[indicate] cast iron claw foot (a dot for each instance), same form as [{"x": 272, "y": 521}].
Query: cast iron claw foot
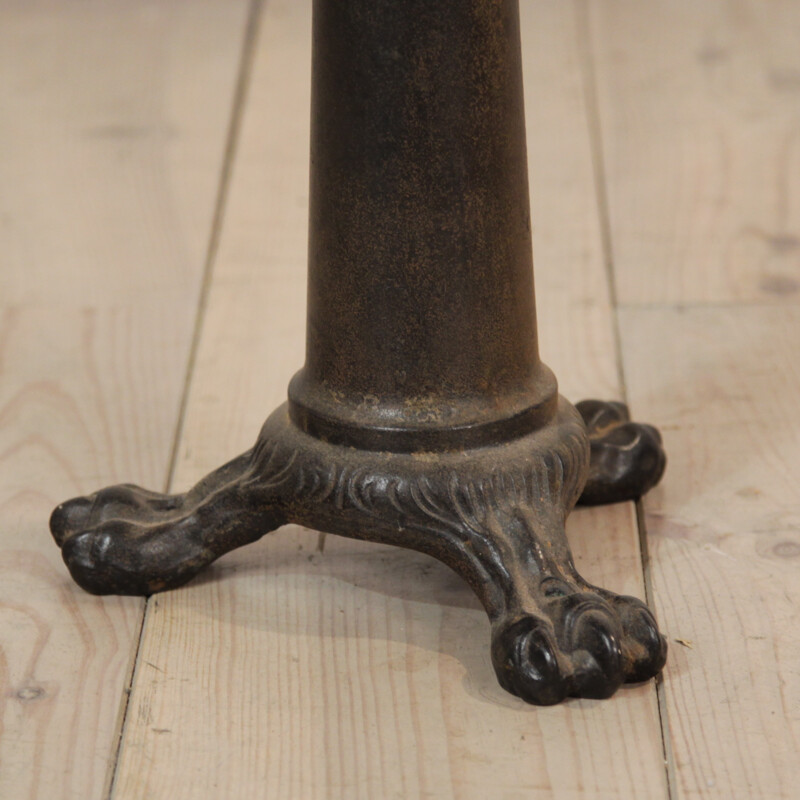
[
  {"x": 627, "y": 458},
  {"x": 128, "y": 540},
  {"x": 585, "y": 642},
  {"x": 495, "y": 515}
]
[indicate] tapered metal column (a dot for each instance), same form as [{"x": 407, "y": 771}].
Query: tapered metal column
[{"x": 421, "y": 319}]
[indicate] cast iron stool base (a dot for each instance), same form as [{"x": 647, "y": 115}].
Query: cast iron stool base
[
  {"x": 495, "y": 515},
  {"x": 423, "y": 416}
]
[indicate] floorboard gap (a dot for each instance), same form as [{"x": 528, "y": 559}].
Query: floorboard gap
[
  {"x": 588, "y": 72},
  {"x": 231, "y": 140}
]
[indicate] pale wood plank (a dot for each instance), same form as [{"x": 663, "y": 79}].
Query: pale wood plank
[
  {"x": 113, "y": 133},
  {"x": 363, "y": 671},
  {"x": 700, "y": 111},
  {"x": 724, "y": 538}
]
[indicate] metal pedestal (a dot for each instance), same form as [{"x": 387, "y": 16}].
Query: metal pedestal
[{"x": 423, "y": 416}]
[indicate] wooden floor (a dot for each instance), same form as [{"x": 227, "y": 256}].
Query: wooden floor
[{"x": 153, "y": 215}]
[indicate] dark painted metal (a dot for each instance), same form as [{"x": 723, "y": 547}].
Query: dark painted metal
[
  {"x": 420, "y": 242},
  {"x": 423, "y": 416},
  {"x": 627, "y": 458}
]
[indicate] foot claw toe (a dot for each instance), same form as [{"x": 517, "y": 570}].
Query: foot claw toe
[
  {"x": 526, "y": 660},
  {"x": 646, "y": 647},
  {"x": 70, "y": 517},
  {"x": 596, "y": 655},
  {"x": 84, "y": 554}
]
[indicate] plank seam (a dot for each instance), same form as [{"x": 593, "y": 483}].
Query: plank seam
[
  {"x": 125, "y": 705},
  {"x": 231, "y": 140},
  {"x": 666, "y": 738},
  {"x": 594, "y": 124},
  {"x": 587, "y": 71}
]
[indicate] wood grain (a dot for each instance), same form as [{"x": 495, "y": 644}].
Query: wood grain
[
  {"x": 114, "y": 126},
  {"x": 358, "y": 670},
  {"x": 724, "y": 539},
  {"x": 700, "y": 113}
]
